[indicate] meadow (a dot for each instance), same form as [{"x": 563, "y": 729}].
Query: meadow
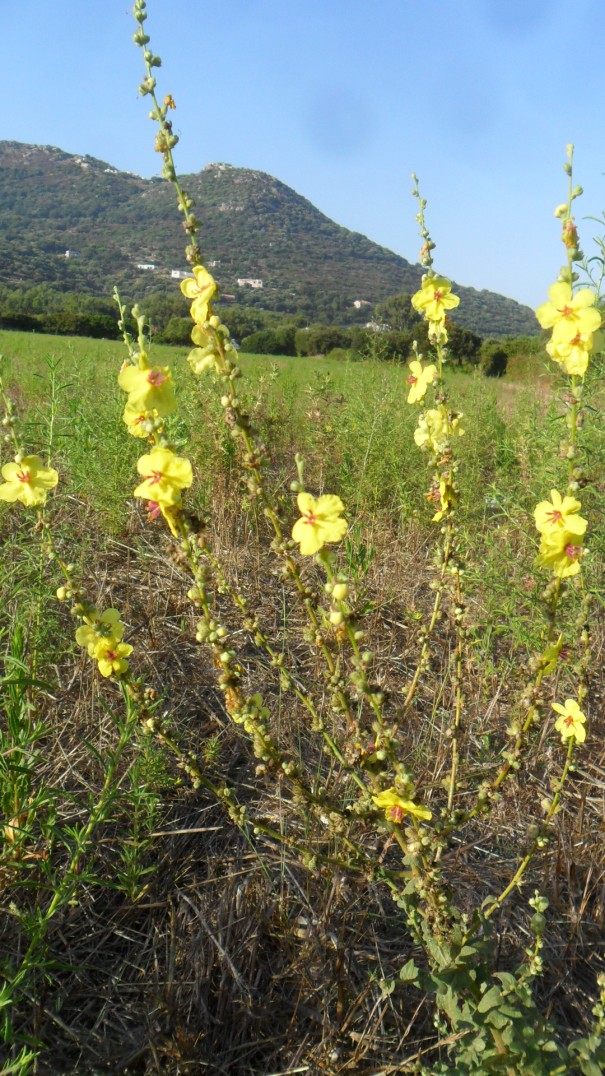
[
  {"x": 301, "y": 683},
  {"x": 183, "y": 942}
]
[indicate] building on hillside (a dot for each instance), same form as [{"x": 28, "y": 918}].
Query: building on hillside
[
  {"x": 72, "y": 254},
  {"x": 146, "y": 265},
  {"x": 358, "y": 303},
  {"x": 180, "y": 274},
  {"x": 251, "y": 282}
]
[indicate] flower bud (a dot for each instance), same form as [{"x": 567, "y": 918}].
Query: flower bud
[{"x": 340, "y": 591}]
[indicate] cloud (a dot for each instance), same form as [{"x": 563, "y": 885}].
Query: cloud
[
  {"x": 337, "y": 120},
  {"x": 518, "y": 18}
]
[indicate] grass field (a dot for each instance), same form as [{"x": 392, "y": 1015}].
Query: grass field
[{"x": 184, "y": 947}]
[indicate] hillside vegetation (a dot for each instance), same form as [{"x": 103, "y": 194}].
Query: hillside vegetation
[{"x": 255, "y": 228}]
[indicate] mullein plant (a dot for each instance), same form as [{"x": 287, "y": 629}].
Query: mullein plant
[
  {"x": 320, "y": 525},
  {"x": 379, "y": 788},
  {"x": 572, "y": 315},
  {"x": 438, "y": 429},
  {"x": 575, "y": 321}
]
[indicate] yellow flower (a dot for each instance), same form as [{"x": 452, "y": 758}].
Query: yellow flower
[
  {"x": 164, "y": 476},
  {"x": 27, "y": 481},
  {"x": 446, "y": 498},
  {"x": 148, "y": 389},
  {"x": 111, "y": 657},
  {"x": 419, "y": 380},
  {"x": 206, "y": 355},
  {"x": 100, "y": 628},
  {"x": 170, "y": 512},
  {"x": 559, "y": 514},
  {"x": 134, "y": 418},
  {"x": 431, "y": 431},
  {"x": 434, "y": 298},
  {"x": 568, "y": 314},
  {"x": 435, "y": 426},
  {"x": 201, "y": 290},
  {"x": 395, "y": 807},
  {"x": 201, "y": 361},
  {"x": 560, "y": 551},
  {"x": 571, "y": 722},
  {"x": 438, "y": 334},
  {"x": 574, "y": 355},
  {"x": 321, "y": 522}
]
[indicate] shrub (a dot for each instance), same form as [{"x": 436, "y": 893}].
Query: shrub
[
  {"x": 494, "y": 361},
  {"x": 278, "y": 341},
  {"x": 340, "y": 354},
  {"x": 99, "y": 326},
  {"x": 320, "y": 339},
  {"x": 177, "y": 331}
]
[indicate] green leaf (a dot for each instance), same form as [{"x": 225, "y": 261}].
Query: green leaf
[
  {"x": 467, "y": 951},
  {"x": 496, "y": 1019},
  {"x": 409, "y": 973},
  {"x": 490, "y": 1000},
  {"x": 590, "y": 1068}
]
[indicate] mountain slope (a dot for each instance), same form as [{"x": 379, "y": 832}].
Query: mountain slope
[{"x": 254, "y": 227}]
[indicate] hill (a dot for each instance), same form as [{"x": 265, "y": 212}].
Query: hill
[{"x": 79, "y": 224}]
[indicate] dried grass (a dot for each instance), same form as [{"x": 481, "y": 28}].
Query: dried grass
[{"x": 236, "y": 960}]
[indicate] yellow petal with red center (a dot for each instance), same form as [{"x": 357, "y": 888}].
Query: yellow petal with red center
[
  {"x": 321, "y": 522},
  {"x": 434, "y": 298},
  {"x": 568, "y": 314},
  {"x": 419, "y": 380},
  {"x": 28, "y": 481},
  {"x": 134, "y": 418},
  {"x": 164, "y": 476},
  {"x": 562, "y": 552},
  {"x": 559, "y": 514},
  {"x": 111, "y": 658},
  {"x": 572, "y": 720},
  {"x": 389, "y": 799},
  {"x": 149, "y": 389}
]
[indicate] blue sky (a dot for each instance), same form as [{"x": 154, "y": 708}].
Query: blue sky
[{"x": 342, "y": 100}]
